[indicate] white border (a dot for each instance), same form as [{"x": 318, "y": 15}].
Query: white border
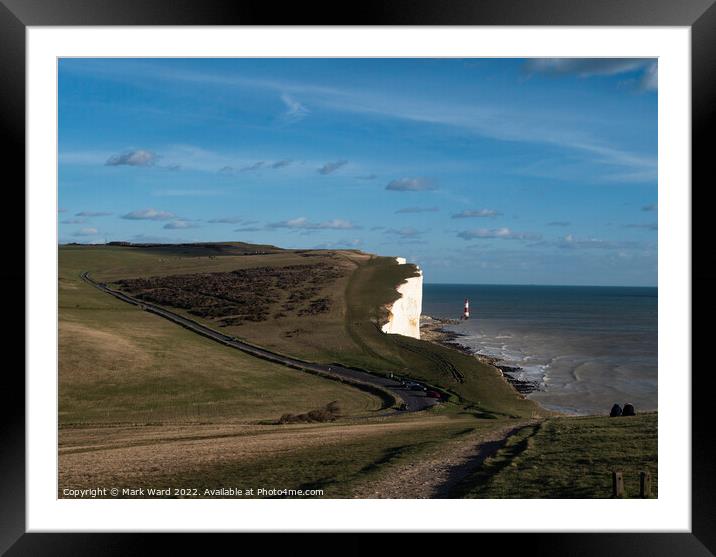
[{"x": 671, "y": 512}]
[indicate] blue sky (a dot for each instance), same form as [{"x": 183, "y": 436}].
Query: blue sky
[{"x": 538, "y": 171}]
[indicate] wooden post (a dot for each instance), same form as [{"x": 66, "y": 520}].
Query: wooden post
[
  {"x": 644, "y": 484},
  {"x": 617, "y": 484}
]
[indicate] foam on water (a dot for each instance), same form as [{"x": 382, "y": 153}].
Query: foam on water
[{"x": 586, "y": 348}]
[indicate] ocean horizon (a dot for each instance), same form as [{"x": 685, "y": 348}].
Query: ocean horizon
[{"x": 584, "y": 347}]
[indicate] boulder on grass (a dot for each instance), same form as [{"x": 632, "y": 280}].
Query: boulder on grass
[
  {"x": 628, "y": 410},
  {"x": 616, "y": 411}
]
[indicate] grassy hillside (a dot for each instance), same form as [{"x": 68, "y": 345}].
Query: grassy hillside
[
  {"x": 569, "y": 458},
  {"x": 122, "y": 365},
  {"x": 347, "y": 330}
]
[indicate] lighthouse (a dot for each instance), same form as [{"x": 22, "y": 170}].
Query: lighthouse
[{"x": 466, "y": 312}]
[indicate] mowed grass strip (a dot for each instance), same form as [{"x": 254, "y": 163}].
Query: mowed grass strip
[
  {"x": 340, "y": 459},
  {"x": 569, "y": 458},
  {"x": 118, "y": 364}
]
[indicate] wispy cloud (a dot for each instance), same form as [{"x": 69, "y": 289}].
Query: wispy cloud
[
  {"x": 477, "y": 213},
  {"x": 587, "y": 67},
  {"x": 281, "y": 164},
  {"x": 92, "y": 214},
  {"x": 149, "y": 214},
  {"x": 179, "y": 224},
  {"x": 646, "y": 69},
  {"x": 650, "y": 207},
  {"x": 227, "y": 220},
  {"x": 417, "y": 210},
  {"x": 492, "y": 121},
  {"x": 248, "y": 229},
  {"x": 255, "y": 166},
  {"x": 86, "y": 232},
  {"x": 367, "y": 177},
  {"x": 138, "y": 157},
  {"x": 645, "y": 226},
  {"x": 496, "y": 233},
  {"x": 331, "y": 167},
  {"x": 74, "y": 221},
  {"x": 302, "y": 223},
  {"x": 573, "y": 242},
  {"x": 406, "y": 232},
  {"x": 350, "y": 244},
  {"x": 411, "y": 184},
  {"x": 650, "y": 79},
  {"x": 559, "y": 223},
  {"x": 295, "y": 111}
]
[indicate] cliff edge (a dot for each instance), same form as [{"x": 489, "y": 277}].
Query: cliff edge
[{"x": 404, "y": 313}]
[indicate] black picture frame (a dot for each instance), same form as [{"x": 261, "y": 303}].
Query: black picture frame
[{"x": 17, "y": 15}]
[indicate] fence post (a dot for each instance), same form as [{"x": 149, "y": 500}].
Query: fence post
[
  {"x": 617, "y": 484},
  {"x": 644, "y": 484}
]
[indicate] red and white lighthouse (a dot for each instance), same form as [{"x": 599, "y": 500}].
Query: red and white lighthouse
[{"x": 466, "y": 312}]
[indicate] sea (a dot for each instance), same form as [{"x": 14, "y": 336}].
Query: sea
[{"x": 585, "y": 348}]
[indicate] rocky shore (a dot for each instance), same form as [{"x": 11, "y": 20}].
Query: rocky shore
[{"x": 433, "y": 329}]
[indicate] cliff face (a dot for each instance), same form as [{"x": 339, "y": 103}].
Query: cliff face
[{"x": 404, "y": 318}]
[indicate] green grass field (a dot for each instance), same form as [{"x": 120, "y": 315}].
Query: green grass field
[
  {"x": 349, "y": 333},
  {"x": 121, "y": 365},
  {"x": 570, "y": 458}
]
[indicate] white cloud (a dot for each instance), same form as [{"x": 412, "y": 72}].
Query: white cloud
[
  {"x": 411, "y": 184},
  {"x": 331, "y": 167},
  {"x": 650, "y": 79},
  {"x": 496, "y": 233},
  {"x": 302, "y": 223},
  {"x": 149, "y": 214},
  {"x": 405, "y": 233},
  {"x": 86, "y": 232},
  {"x": 138, "y": 157},
  {"x": 571, "y": 241},
  {"x": 227, "y": 220},
  {"x": 179, "y": 225},
  {"x": 587, "y": 67},
  {"x": 476, "y": 214}
]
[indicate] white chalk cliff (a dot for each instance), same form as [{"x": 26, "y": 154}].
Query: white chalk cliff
[{"x": 404, "y": 317}]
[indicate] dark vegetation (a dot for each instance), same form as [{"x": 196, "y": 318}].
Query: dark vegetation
[
  {"x": 329, "y": 413},
  {"x": 244, "y": 295}
]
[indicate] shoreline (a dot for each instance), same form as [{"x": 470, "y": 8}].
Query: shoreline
[{"x": 432, "y": 329}]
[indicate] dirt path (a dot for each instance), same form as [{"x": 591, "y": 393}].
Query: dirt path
[{"x": 434, "y": 476}]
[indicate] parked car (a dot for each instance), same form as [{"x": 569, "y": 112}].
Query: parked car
[{"x": 434, "y": 394}]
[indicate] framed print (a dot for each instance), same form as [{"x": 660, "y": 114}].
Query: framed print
[{"x": 427, "y": 270}]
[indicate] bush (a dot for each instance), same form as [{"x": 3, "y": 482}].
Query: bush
[{"x": 328, "y": 413}]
